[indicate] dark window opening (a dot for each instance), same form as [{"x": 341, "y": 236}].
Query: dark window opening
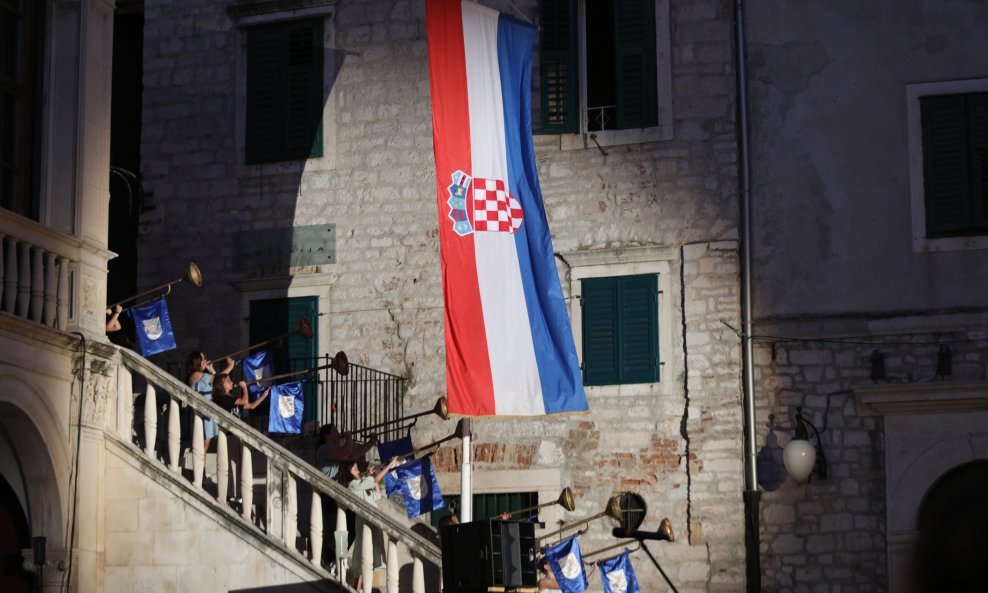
[
  {"x": 284, "y": 91},
  {"x": 955, "y": 164},
  {"x": 20, "y": 124}
]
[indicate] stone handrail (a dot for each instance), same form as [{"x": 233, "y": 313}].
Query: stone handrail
[
  {"x": 34, "y": 270},
  {"x": 274, "y": 515}
]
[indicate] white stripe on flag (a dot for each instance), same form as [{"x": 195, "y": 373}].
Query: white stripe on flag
[{"x": 514, "y": 368}]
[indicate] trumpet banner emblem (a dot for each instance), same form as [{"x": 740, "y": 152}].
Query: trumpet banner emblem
[
  {"x": 570, "y": 566},
  {"x": 152, "y": 328},
  {"x": 415, "y": 487},
  {"x": 286, "y": 406},
  {"x": 617, "y": 581}
]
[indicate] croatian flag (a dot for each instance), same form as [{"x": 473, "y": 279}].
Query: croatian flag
[{"x": 509, "y": 345}]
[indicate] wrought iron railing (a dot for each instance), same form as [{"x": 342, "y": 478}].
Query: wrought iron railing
[{"x": 364, "y": 397}]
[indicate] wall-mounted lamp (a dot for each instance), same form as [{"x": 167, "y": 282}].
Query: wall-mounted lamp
[{"x": 801, "y": 457}]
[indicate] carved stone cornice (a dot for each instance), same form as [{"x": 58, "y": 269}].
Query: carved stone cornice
[{"x": 919, "y": 398}]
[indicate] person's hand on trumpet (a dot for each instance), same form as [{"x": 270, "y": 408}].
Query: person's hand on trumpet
[{"x": 113, "y": 323}]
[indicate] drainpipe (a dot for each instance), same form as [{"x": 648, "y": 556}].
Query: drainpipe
[{"x": 752, "y": 496}]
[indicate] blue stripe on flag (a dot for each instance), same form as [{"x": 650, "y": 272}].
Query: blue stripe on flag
[{"x": 552, "y": 336}]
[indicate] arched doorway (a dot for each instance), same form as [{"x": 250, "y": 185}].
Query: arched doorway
[
  {"x": 953, "y": 532},
  {"x": 15, "y": 535}
]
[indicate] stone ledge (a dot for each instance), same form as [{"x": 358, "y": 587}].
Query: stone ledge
[{"x": 916, "y": 398}]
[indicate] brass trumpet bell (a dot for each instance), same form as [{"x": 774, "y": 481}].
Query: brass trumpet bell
[
  {"x": 338, "y": 364},
  {"x": 565, "y": 500},
  {"x": 612, "y": 510},
  {"x": 192, "y": 274},
  {"x": 441, "y": 409},
  {"x": 665, "y": 530},
  {"x": 303, "y": 328}
]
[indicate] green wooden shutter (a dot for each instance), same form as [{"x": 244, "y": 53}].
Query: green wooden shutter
[
  {"x": 284, "y": 91},
  {"x": 620, "y": 330},
  {"x": 634, "y": 68},
  {"x": 270, "y": 318},
  {"x": 600, "y": 331},
  {"x": 558, "y": 67},
  {"x": 638, "y": 329},
  {"x": 945, "y": 177}
]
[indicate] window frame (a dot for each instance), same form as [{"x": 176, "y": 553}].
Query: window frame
[
  {"x": 249, "y": 18},
  {"x": 921, "y": 242},
  {"x": 584, "y": 138},
  {"x": 631, "y": 261}
]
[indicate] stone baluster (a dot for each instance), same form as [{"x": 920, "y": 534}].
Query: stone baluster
[
  {"x": 37, "y": 283},
  {"x": 418, "y": 576},
  {"x": 315, "y": 528},
  {"x": 125, "y": 405},
  {"x": 10, "y": 279},
  {"x": 51, "y": 289},
  {"x": 291, "y": 511},
  {"x": 198, "y": 451},
  {"x": 366, "y": 567},
  {"x": 150, "y": 420},
  {"x": 24, "y": 282},
  {"x": 392, "y": 565},
  {"x": 246, "y": 480},
  {"x": 222, "y": 467},
  {"x": 62, "y": 301},
  {"x": 341, "y": 555},
  {"x": 174, "y": 434}
]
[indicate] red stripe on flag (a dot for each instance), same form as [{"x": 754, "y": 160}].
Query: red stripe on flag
[{"x": 469, "y": 386}]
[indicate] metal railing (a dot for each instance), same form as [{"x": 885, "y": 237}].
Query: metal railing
[
  {"x": 270, "y": 486},
  {"x": 364, "y": 397}
]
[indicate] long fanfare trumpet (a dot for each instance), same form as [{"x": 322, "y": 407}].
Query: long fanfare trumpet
[
  {"x": 440, "y": 409},
  {"x": 565, "y": 500},
  {"x": 664, "y": 533},
  {"x": 303, "y": 329},
  {"x": 338, "y": 364},
  {"x": 192, "y": 274},
  {"x": 457, "y": 434},
  {"x": 612, "y": 510}
]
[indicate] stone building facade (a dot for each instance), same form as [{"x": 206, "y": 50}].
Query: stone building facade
[{"x": 660, "y": 202}]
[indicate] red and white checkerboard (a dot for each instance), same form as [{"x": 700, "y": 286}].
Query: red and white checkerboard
[{"x": 493, "y": 209}]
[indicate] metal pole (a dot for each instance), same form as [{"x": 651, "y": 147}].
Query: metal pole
[{"x": 466, "y": 477}]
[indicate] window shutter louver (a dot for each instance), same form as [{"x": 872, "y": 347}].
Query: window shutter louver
[
  {"x": 638, "y": 329},
  {"x": 635, "y": 67},
  {"x": 600, "y": 331},
  {"x": 284, "y": 91},
  {"x": 620, "y": 330},
  {"x": 558, "y": 67}
]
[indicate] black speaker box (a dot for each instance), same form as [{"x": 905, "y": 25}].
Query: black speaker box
[{"x": 481, "y": 555}]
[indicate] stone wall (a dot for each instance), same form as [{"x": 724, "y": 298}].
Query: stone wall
[{"x": 680, "y": 449}]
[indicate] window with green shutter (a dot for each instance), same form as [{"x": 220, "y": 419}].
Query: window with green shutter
[
  {"x": 955, "y": 163},
  {"x": 487, "y": 506},
  {"x": 620, "y": 330},
  {"x": 284, "y": 91},
  {"x": 618, "y": 67},
  {"x": 270, "y": 318}
]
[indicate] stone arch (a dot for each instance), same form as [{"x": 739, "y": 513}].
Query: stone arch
[
  {"x": 953, "y": 532},
  {"x": 906, "y": 496},
  {"x": 34, "y": 438}
]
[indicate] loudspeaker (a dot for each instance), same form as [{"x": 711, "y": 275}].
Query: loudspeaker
[{"x": 485, "y": 554}]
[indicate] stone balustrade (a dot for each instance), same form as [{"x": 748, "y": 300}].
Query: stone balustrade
[
  {"x": 34, "y": 271},
  {"x": 265, "y": 481}
]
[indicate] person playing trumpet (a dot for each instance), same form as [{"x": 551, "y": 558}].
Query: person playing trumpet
[
  {"x": 200, "y": 378},
  {"x": 337, "y": 448},
  {"x": 367, "y": 487}
]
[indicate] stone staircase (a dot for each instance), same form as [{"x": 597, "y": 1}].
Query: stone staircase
[{"x": 276, "y": 507}]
